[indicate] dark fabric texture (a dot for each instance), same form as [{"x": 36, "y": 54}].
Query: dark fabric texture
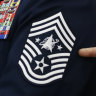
[{"x": 80, "y": 76}]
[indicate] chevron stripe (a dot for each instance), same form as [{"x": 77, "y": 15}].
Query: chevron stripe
[
  {"x": 61, "y": 60},
  {"x": 27, "y": 55},
  {"x": 52, "y": 23},
  {"x": 58, "y": 66},
  {"x": 58, "y": 55},
  {"x": 26, "y": 63},
  {"x": 38, "y": 81},
  {"x": 30, "y": 50},
  {"x": 62, "y": 20},
  {"x": 34, "y": 46}
]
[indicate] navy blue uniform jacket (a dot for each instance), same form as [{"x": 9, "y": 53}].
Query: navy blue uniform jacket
[{"x": 70, "y": 75}]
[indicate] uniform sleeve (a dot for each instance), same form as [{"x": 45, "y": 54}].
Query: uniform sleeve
[{"x": 42, "y": 57}]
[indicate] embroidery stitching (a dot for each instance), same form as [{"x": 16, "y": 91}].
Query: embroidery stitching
[{"x": 47, "y": 50}]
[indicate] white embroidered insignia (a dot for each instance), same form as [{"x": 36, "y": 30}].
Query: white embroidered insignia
[{"x": 47, "y": 50}]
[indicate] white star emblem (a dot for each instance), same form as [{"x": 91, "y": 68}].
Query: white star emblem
[
  {"x": 48, "y": 43},
  {"x": 37, "y": 40},
  {"x": 59, "y": 47},
  {"x": 41, "y": 65}
]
